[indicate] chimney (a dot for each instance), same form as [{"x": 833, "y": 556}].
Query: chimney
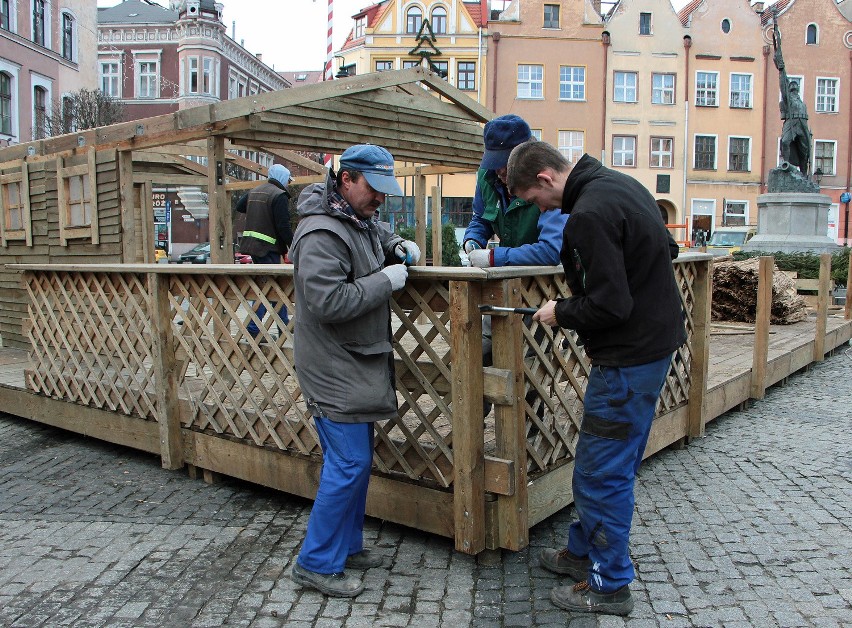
[
  {"x": 234, "y": 30},
  {"x": 758, "y": 7},
  {"x": 259, "y": 56}
]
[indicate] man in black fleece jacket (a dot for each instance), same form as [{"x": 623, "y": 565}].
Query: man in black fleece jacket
[{"x": 626, "y": 307}]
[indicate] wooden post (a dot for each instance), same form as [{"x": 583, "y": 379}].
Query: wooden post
[
  {"x": 146, "y": 206},
  {"x": 700, "y": 350},
  {"x": 165, "y": 372},
  {"x": 128, "y": 207},
  {"x": 762, "y": 318},
  {"x": 420, "y": 213},
  {"x": 847, "y": 311},
  {"x": 822, "y": 306},
  {"x": 437, "y": 248},
  {"x": 468, "y": 434},
  {"x": 510, "y": 420},
  {"x": 219, "y": 214}
]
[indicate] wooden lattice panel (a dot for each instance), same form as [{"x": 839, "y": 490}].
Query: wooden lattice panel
[
  {"x": 238, "y": 385},
  {"x": 91, "y": 340}
]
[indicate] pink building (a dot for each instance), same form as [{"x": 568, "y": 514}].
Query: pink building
[{"x": 41, "y": 46}]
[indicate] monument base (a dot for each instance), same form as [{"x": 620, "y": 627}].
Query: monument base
[{"x": 790, "y": 222}]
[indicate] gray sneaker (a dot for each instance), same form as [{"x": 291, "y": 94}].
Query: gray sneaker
[
  {"x": 335, "y": 584},
  {"x": 365, "y": 559},
  {"x": 565, "y": 563},
  {"x": 581, "y": 598}
]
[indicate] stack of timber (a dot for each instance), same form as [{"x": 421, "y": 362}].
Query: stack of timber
[{"x": 735, "y": 294}]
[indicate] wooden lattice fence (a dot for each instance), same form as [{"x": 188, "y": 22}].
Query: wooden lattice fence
[{"x": 169, "y": 345}]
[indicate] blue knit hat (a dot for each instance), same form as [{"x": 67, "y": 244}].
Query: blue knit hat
[{"x": 501, "y": 135}]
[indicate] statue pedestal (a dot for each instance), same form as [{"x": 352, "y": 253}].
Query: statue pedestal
[{"x": 792, "y": 221}]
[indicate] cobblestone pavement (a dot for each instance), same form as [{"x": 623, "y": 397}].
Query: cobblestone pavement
[{"x": 749, "y": 526}]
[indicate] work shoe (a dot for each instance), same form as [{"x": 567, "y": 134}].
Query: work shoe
[
  {"x": 565, "y": 563},
  {"x": 334, "y": 584},
  {"x": 365, "y": 559},
  {"x": 581, "y": 598}
]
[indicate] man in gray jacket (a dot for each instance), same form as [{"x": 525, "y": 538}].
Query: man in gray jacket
[{"x": 346, "y": 267}]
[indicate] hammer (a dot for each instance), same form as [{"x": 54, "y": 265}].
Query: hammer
[{"x": 510, "y": 310}]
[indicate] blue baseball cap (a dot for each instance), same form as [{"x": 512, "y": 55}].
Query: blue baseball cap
[
  {"x": 375, "y": 163},
  {"x": 501, "y": 135}
]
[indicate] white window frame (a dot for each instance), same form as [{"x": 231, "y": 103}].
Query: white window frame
[
  {"x": 75, "y": 39},
  {"x": 436, "y": 29},
  {"x": 189, "y": 73},
  {"x": 715, "y": 152},
  {"x": 660, "y": 154},
  {"x": 570, "y": 84},
  {"x": 527, "y": 81},
  {"x": 572, "y": 144},
  {"x": 48, "y": 25},
  {"x": 147, "y": 83},
  {"x": 116, "y": 77},
  {"x": 360, "y": 27},
  {"x": 834, "y": 99},
  {"x": 748, "y": 94},
  {"x": 146, "y": 56},
  {"x": 536, "y": 133},
  {"x": 36, "y": 80},
  {"x": 700, "y": 204},
  {"x": 650, "y": 24},
  {"x": 13, "y": 16},
  {"x": 558, "y": 15},
  {"x": 750, "y": 151},
  {"x": 408, "y": 15},
  {"x": 725, "y": 213},
  {"x": 13, "y": 70},
  {"x": 387, "y": 69},
  {"x": 208, "y": 76},
  {"x": 466, "y": 72},
  {"x": 833, "y": 160},
  {"x": 707, "y": 91},
  {"x": 624, "y": 150},
  {"x": 623, "y": 87},
  {"x": 663, "y": 90},
  {"x": 816, "y": 37}
]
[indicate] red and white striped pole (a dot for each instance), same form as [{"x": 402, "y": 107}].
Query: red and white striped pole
[{"x": 329, "y": 75}]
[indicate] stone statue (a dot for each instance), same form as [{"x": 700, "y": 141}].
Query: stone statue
[{"x": 795, "y": 134}]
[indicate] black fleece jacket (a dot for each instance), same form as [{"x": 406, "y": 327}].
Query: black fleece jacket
[{"x": 617, "y": 253}]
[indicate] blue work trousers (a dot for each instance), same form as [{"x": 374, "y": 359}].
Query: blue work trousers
[
  {"x": 336, "y": 525},
  {"x": 618, "y": 411},
  {"x": 269, "y": 258}
]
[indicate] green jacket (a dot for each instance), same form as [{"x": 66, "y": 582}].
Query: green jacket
[{"x": 518, "y": 224}]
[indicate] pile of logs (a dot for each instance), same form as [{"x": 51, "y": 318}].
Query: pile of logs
[{"x": 735, "y": 294}]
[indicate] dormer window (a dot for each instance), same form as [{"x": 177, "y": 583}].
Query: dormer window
[{"x": 360, "y": 27}]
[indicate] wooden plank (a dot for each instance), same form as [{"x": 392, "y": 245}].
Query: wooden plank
[
  {"x": 699, "y": 365},
  {"x": 420, "y": 213},
  {"x": 221, "y": 236},
  {"x": 550, "y": 493},
  {"x": 61, "y": 202},
  {"x": 146, "y": 209},
  {"x": 93, "y": 190},
  {"x": 822, "y": 306},
  {"x": 421, "y": 508},
  {"x": 165, "y": 372},
  {"x": 25, "y": 201},
  {"x": 763, "y": 313},
  {"x": 437, "y": 249},
  {"x": 468, "y": 432},
  {"x": 102, "y": 424},
  {"x": 510, "y": 420}
]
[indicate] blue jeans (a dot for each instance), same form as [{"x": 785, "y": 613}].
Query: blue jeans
[
  {"x": 618, "y": 411},
  {"x": 269, "y": 258},
  {"x": 336, "y": 525}
]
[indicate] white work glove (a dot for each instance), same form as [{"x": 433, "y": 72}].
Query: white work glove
[
  {"x": 397, "y": 273},
  {"x": 407, "y": 252},
  {"x": 481, "y": 258},
  {"x": 471, "y": 245}
]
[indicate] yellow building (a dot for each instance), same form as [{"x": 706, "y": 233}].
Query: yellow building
[{"x": 446, "y": 36}]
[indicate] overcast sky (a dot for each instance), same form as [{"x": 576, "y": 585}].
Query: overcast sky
[{"x": 291, "y": 34}]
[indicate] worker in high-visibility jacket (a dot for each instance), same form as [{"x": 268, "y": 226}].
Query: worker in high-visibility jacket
[{"x": 268, "y": 233}]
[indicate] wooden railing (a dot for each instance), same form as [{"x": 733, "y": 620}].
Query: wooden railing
[{"x": 168, "y": 345}]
